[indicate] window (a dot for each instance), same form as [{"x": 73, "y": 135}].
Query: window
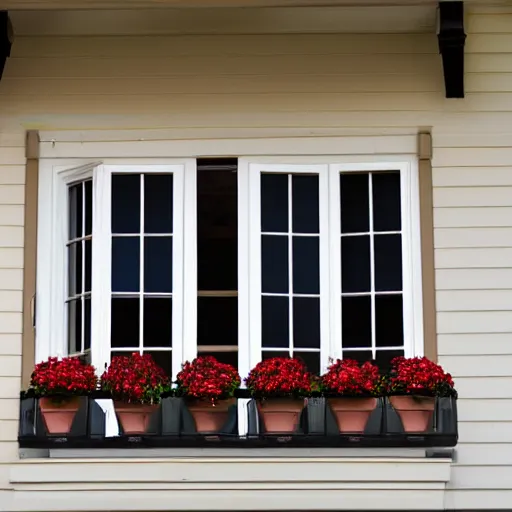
[{"x": 232, "y": 258}]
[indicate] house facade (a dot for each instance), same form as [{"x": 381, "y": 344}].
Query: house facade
[{"x": 248, "y": 179}]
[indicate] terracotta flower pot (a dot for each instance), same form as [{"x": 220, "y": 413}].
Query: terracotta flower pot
[
  {"x": 210, "y": 417},
  {"x": 352, "y": 414},
  {"x": 280, "y": 415},
  {"x": 134, "y": 418},
  {"x": 415, "y": 412},
  {"x": 58, "y": 414}
]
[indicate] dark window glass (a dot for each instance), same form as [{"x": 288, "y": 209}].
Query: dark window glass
[
  {"x": 74, "y": 326},
  {"x": 388, "y": 262},
  {"x": 389, "y": 320},
  {"x": 274, "y": 264},
  {"x": 384, "y": 357},
  {"x": 158, "y": 264},
  {"x": 269, "y": 354},
  {"x": 88, "y": 265},
  {"x": 125, "y": 322},
  {"x": 310, "y": 359},
  {"x": 306, "y": 322},
  {"x": 75, "y": 211},
  {"x": 275, "y": 331},
  {"x": 158, "y": 203},
  {"x": 355, "y": 264},
  {"x": 217, "y": 321},
  {"x": 306, "y": 265},
  {"x": 87, "y": 323},
  {"x": 274, "y": 203},
  {"x": 157, "y": 322},
  {"x": 75, "y": 269},
  {"x": 126, "y": 203},
  {"x": 125, "y": 264},
  {"x": 386, "y": 201},
  {"x": 162, "y": 359},
  {"x": 356, "y": 322},
  {"x": 360, "y": 356},
  {"x": 88, "y": 207},
  {"x": 355, "y": 203},
  {"x": 217, "y": 263},
  {"x": 305, "y": 210}
]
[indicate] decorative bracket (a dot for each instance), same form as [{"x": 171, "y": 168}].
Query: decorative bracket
[
  {"x": 452, "y": 38},
  {"x": 6, "y": 38}
]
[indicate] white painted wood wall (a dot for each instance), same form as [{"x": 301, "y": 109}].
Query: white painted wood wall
[{"x": 208, "y": 87}]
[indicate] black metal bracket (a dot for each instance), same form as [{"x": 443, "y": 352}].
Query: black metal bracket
[
  {"x": 452, "y": 38},
  {"x": 6, "y": 37}
]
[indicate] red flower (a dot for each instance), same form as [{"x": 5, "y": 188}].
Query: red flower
[
  {"x": 279, "y": 376},
  {"x": 135, "y": 379},
  {"x": 418, "y": 376},
  {"x": 347, "y": 377},
  {"x": 206, "y": 379},
  {"x": 67, "y": 377}
]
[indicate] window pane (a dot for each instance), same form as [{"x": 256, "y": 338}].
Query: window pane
[
  {"x": 126, "y": 203},
  {"x": 125, "y": 322},
  {"x": 389, "y": 320},
  {"x": 157, "y": 322},
  {"x": 269, "y": 354},
  {"x": 388, "y": 262},
  {"x": 355, "y": 264},
  {"x": 274, "y": 264},
  {"x": 75, "y": 269},
  {"x": 74, "y": 326},
  {"x": 306, "y": 322},
  {"x": 383, "y": 358},
  {"x": 275, "y": 331},
  {"x": 360, "y": 356},
  {"x": 310, "y": 359},
  {"x": 355, "y": 203},
  {"x": 88, "y": 207},
  {"x": 88, "y": 265},
  {"x": 125, "y": 264},
  {"x": 305, "y": 210},
  {"x": 75, "y": 211},
  {"x": 87, "y": 323},
  {"x": 386, "y": 201},
  {"x": 162, "y": 359},
  {"x": 158, "y": 203},
  {"x": 274, "y": 203},
  {"x": 356, "y": 322},
  {"x": 217, "y": 265},
  {"x": 217, "y": 320},
  {"x": 158, "y": 264},
  {"x": 306, "y": 265}
]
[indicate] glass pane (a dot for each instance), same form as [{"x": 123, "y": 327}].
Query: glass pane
[
  {"x": 87, "y": 323},
  {"x": 158, "y": 203},
  {"x": 162, "y": 359},
  {"x": 224, "y": 357},
  {"x": 74, "y": 326},
  {"x": 274, "y": 203},
  {"x": 306, "y": 322},
  {"x": 125, "y": 264},
  {"x": 360, "y": 356},
  {"x": 386, "y": 201},
  {"x": 125, "y": 322},
  {"x": 217, "y": 265},
  {"x": 269, "y": 354},
  {"x": 158, "y": 264},
  {"x": 126, "y": 203},
  {"x": 389, "y": 325},
  {"x": 306, "y": 264},
  {"x": 217, "y": 321},
  {"x": 88, "y": 265},
  {"x": 355, "y": 203},
  {"x": 274, "y": 264},
  {"x": 310, "y": 359},
  {"x": 305, "y": 210},
  {"x": 88, "y": 207},
  {"x": 355, "y": 264},
  {"x": 388, "y": 263},
  {"x": 356, "y": 322},
  {"x": 157, "y": 322},
  {"x": 75, "y": 211},
  {"x": 275, "y": 331},
  {"x": 75, "y": 269},
  {"x": 383, "y": 358}
]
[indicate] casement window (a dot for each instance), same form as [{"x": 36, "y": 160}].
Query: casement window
[{"x": 229, "y": 257}]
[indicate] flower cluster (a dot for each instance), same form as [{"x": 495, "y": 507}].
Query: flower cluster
[
  {"x": 135, "y": 379},
  {"x": 279, "y": 376},
  {"x": 418, "y": 376},
  {"x": 67, "y": 377},
  {"x": 205, "y": 378},
  {"x": 347, "y": 377}
]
